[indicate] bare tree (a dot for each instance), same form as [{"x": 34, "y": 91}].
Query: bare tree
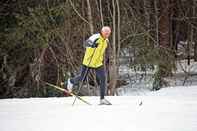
[
  {"x": 156, "y": 21},
  {"x": 194, "y": 30},
  {"x": 147, "y": 17},
  {"x": 118, "y": 30},
  {"x": 113, "y": 66},
  {"x": 164, "y": 25},
  {"x": 101, "y": 12},
  {"x": 90, "y": 17}
]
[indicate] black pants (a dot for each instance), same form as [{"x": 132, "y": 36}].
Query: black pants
[{"x": 100, "y": 76}]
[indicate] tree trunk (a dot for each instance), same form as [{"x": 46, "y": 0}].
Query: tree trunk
[
  {"x": 164, "y": 43},
  {"x": 190, "y": 32},
  {"x": 156, "y": 22},
  {"x": 90, "y": 17},
  {"x": 194, "y": 32},
  {"x": 164, "y": 24},
  {"x": 195, "y": 51},
  {"x": 101, "y": 12},
  {"x": 147, "y": 18},
  {"x": 113, "y": 66}
]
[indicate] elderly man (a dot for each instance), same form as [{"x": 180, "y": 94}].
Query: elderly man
[{"x": 93, "y": 59}]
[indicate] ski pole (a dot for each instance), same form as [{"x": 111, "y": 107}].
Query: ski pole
[{"x": 86, "y": 72}]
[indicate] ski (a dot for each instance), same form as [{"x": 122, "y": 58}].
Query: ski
[{"x": 67, "y": 92}]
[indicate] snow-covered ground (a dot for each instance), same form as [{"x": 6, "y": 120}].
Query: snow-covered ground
[{"x": 169, "y": 109}]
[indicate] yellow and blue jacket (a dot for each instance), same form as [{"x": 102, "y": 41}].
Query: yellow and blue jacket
[{"x": 95, "y": 50}]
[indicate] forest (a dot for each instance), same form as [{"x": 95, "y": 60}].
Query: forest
[{"x": 42, "y": 41}]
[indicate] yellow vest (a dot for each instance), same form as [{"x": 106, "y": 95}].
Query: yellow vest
[{"x": 94, "y": 55}]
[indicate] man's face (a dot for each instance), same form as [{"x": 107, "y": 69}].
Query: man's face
[{"x": 106, "y": 34}]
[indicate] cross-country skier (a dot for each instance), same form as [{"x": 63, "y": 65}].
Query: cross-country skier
[{"x": 93, "y": 59}]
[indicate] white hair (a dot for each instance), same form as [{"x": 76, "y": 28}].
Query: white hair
[{"x": 106, "y": 29}]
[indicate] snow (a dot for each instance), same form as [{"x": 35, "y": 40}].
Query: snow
[
  {"x": 169, "y": 109},
  {"x": 140, "y": 82},
  {"x": 182, "y": 66}
]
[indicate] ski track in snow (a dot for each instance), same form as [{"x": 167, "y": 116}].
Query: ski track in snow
[{"x": 170, "y": 109}]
